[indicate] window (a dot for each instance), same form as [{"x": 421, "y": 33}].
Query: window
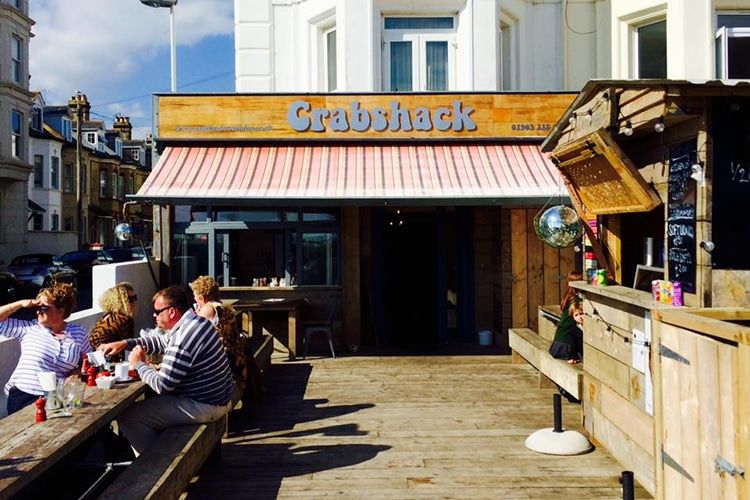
[
  {"x": 733, "y": 46},
  {"x": 38, "y": 221},
  {"x": 16, "y": 55},
  {"x": 36, "y": 119},
  {"x": 103, "y": 184},
  {"x": 38, "y": 171},
  {"x": 67, "y": 128},
  {"x": 91, "y": 137},
  {"x": 113, "y": 181},
  {"x": 55, "y": 222},
  {"x": 68, "y": 224},
  {"x": 68, "y": 175},
  {"x": 121, "y": 187},
  {"x": 55, "y": 173},
  {"x": 417, "y": 53},
  {"x": 16, "y": 131},
  {"x": 131, "y": 184},
  {"x": 507, "y": 51},
  {"x": 651, "y": 50},
  {"x": 330, "y": 58}
]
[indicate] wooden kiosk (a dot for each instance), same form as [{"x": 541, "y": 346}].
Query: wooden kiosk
[{"x": 666, "y": 389}]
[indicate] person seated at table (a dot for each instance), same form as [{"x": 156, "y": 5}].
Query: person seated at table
[
  {"x": 116, "y": 323},
  {"x": 194, "y": 382},
  {"x": 48, "y": 343},
  {"x": 207, "y": 304},
  {"x": 560, "y": 345}
]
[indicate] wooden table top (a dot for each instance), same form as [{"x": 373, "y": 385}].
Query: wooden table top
[
  {"x": 28, "y": 449},
  {"x": 280, "y": 304}
]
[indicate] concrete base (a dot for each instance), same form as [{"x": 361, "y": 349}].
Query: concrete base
[{"x": 558, "y": 443}]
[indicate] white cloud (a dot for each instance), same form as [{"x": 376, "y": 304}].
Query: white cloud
[{"x": 94, "y": 45}]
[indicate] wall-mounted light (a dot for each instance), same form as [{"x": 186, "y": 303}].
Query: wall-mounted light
[
  {"x": 628, "y": 130},
  {"x": 708, "y": 246},
  {"x": 659, "y": 126},
  {"x": 698, "y": 173},
  {"x": 572, "y": 119}
]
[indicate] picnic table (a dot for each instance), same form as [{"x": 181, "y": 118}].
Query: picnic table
[
  {"x": 28, "y": 449},
  {"x": 291, "y": 307}
]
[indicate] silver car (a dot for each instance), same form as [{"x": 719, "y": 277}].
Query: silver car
[{"x": 40, "y": 270}]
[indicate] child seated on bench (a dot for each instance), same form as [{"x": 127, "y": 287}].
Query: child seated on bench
[{"x": 568, "y": 342}]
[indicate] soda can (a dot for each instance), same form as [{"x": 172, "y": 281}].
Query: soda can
[
  {"x": 601, "y": 277},
  {"x": 677, "y": 299}
]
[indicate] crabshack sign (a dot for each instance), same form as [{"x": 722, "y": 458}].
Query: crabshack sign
[{"x": 357, "y": 117}]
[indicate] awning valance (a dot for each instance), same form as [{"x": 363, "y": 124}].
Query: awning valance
[{"x": 349, "y": 173}]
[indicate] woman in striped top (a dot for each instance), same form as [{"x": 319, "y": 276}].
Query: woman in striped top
[{"x": 48, "y": 344}]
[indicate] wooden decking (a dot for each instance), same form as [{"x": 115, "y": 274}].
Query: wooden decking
[{"x": 403, "y": 427}]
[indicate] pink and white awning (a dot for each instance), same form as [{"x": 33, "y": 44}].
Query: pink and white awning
[{"x": 351, "y": 174}]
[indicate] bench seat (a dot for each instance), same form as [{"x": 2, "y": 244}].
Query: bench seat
[{"x": 535, "y": 350}]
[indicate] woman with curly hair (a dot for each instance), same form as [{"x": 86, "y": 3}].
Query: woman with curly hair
[
  {"x": 48, "y": 344},
  {"x": 116, "y": 323}
]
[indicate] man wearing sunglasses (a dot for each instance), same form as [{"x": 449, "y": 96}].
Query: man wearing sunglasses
[
  {"x": 48, "y": 344},
  {"x": 194, "y": 381}
]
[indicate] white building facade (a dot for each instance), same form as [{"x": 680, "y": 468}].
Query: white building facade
[
  {"x": 421, "y": 46},
  {"x": 681, "y": 40}
]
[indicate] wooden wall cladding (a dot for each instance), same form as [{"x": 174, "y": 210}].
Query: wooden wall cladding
[
  {"x": 265, "y": 117},
  {"x": 538, "y": 272},
  {"x": 602, "y": 176}
]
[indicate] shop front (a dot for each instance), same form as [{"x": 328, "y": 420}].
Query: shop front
[{"x": 406, "y": 214}]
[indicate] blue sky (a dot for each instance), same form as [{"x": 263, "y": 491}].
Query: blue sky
[{"x": 117, "y": 53}]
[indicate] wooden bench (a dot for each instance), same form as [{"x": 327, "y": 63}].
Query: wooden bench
[
  {"x": 165, "y": 469},
  {"x": 534, "y": 350}
]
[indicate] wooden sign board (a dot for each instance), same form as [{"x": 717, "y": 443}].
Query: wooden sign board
[
  {"x": 358, "y": 116},
  {"x": 602, "y": 178}
]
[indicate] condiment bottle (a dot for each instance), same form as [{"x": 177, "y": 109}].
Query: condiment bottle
[
  {"x": 91, "y": 381},
  {"x": 85, "y": 365},
  {"x": 41, "y": 413}
]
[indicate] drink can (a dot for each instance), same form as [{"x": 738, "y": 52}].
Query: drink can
[
  {"x": 677, "y": 294},
  {"x": 656, "y": 290},
  {"x": 601, "y": 277}
]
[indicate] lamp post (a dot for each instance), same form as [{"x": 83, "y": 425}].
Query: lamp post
[{"x": 173, "y": 51}]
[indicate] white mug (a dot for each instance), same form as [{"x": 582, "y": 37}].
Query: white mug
[
  {"x": 121, "y": 371},
  {"x": 48, "y": 381}
]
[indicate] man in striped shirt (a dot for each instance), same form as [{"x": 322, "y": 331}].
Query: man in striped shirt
[{"x": 194, "y": 381}]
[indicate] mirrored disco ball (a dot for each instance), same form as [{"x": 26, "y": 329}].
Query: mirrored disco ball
[
  {"x": 559, "y": 227},
  {"x": 123, "y": 232}
]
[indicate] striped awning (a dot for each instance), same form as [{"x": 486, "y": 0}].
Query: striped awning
[{"x": 351, "y": 173}]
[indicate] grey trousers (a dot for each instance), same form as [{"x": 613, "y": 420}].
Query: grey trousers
[{"x": 143, "y": 421}]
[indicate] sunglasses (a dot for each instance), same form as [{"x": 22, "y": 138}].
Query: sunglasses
[
  {"x": 42, "y": 309},
  {"x": 159, "y": 311},
  {"x": 132, "y": 298}
]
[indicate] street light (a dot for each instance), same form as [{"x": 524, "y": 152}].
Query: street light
[{"x": 173, "y": 51}]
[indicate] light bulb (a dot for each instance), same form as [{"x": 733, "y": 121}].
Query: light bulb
[
  {"x": 659, "y": 127},
  {"x": 572, "y": 119},
  {"x": 628, "y": 130}
]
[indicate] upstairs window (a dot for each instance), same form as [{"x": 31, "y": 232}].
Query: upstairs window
[
  {"x": 38, "y": 171},
  {"x": 418, "y": 54},
  {"x": 36, "y": 119},
  {"x": 330, "y": 58},
  {"x": 651, "y": 50},
  {"x": 733, "y": 46},
  {"x": 16, "y": 134},
  {"x": 121, "y": 187},
  {"x": 16, "y": 55},
  {"x": 54, "y": 169},
  {"x": 68, "y": 175},
  {"x": 91, "y": 137},
  {"x": 103, "y": 191}
]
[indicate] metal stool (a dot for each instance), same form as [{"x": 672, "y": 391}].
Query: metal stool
[{"x": 324, "y": 327}]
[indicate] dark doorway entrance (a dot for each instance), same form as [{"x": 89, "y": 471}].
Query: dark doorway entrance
[{"x": 410, "y": 277}]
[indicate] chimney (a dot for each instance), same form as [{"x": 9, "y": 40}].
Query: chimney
[
  {"x": 123, "y": 127},
  {"x": 79, "y": 100}
]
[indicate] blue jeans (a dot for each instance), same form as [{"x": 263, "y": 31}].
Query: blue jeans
[{"x": 17, "y": 399}]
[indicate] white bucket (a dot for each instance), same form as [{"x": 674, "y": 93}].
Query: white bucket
[{"x": 485, "y": 337}]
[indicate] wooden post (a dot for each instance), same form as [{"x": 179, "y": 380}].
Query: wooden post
[{"x": 351, "y": 302}]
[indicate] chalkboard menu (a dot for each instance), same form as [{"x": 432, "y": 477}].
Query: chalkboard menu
[{"x": 681, "y": 215}]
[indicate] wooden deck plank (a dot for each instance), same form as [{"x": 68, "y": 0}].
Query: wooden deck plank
[{"x": 403, "y": 427}]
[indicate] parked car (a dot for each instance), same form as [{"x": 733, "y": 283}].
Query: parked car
[
  {"x": 7, "y": 287},
  {"x": 123, "y": 254},
  {"x": 39, "y": 270},
  {"x": 83, "y": 260}
]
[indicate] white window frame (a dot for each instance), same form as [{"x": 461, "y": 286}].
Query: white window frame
[
  {"x": 91, "y": 138},
  {"x": 39, "y": 169},
  {"x": 328, "y": 86},
  {"x": 103, "y": 183},
  {"x": 16, "y": 57},
  {"x": 634, "y": 63},
  {"x": 511, "y": 24},
  {"x": 722, "y": 37},
  {"x": 418, "y": 39},
  {"x": 54, "y": 172}
]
